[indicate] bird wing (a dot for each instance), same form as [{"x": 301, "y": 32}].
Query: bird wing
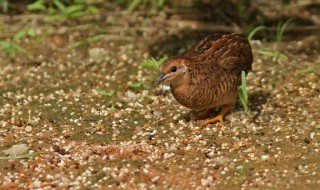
[
  {"x": 200, "y": 51},
  {"x": 228, "y": 51}
]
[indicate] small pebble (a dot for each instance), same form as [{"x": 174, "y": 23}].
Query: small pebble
[
  {"x": 155, "y": 179},
  {"x": 56, "y": 148},
  {"x": 306, "y": 140},
  {"x": 28, "y": 128},
  {"x": 264, "y": 157},
  {"x": 312, "y": 135}
]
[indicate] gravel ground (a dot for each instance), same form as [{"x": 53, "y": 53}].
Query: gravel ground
[{"x": 61, "y": 104}]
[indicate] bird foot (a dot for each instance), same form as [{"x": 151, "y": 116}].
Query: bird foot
[{"x": 218, "y": 118}]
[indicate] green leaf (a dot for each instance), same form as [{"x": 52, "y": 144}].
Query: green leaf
[
  {"x": 37, "y": 6},
  {"x": 22, "y": 33},
  {"x": 19, "y": 156},
  {"x": 147, "y": 63},
  {"x": 51, "y": 10},
  {"x": 162, "y": 60},
  {"x": 152, "y": 62},
  {"x": 72, "y": 9},
  {"x": 9, "y": 48},
  {"x": 5, "y": 45},
  {"x": 17, "y": 36},
  {"x": 55, "y": 17},
  {"x": 79, "y": 43},
  {"x": 31, "y": 32},
  {"x": 96, "y": 38},
  {"x": 92, "y": 9},
  {"x": 80, "y": 1},
  {"x": 19, "y": 48},
  {"x": 136, "y": 85},
  {"x": 60, "y": 5},
  {"x": 107, "y": 93},
  {"x": 76, "y": 14}
]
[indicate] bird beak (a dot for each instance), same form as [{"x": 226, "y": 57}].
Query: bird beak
[{"x": 160, "y": 78}]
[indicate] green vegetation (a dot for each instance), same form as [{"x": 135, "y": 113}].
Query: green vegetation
[
  {"x": 60, "y": 11},
  {"x": 153, "y": 63},
  {"x": 157, "y": 4},
  {"x": 11, "y": 46},
  {"x": 148, "y": 64},
  {"x": 277, "y": 52},
  {"x": 280, "y": 31},
  {"x": 19, "y": 156},
  {"x": 87, "y": 42},
  {"x": 107, "y": 93},
  {"x": 254, "y": 31},
  {"x": 243, "y": 94},
  {"x": 4, "y": 4},
  {"x": 139, "y": 85}
]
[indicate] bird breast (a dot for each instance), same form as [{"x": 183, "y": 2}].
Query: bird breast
[{"x": 204, "y": 91}]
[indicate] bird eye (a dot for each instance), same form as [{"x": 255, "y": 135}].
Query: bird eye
[{"x": 173, "y": 69}]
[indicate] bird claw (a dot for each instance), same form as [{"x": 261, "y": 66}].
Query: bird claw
[{"x": 219, "y": 119}]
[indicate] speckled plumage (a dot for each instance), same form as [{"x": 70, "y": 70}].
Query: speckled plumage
[{"x": 210, "y": 73}]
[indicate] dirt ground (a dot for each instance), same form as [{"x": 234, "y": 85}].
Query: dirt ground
[{"x": 96, "y": 119}]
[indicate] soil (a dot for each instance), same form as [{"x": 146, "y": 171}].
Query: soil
[{"x": 98, "y": 121}]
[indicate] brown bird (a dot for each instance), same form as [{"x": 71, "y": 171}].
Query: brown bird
[{"x": 209, "y": 74}]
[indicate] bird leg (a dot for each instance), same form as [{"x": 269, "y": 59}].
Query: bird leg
[{"x": 220, "y": 116}]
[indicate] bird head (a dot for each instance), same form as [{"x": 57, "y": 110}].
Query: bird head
[{"x": 173, "y": 71}]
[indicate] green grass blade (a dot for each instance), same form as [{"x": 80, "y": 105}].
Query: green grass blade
[
  {"x": 243, "y": 94},
  {"x": 107, "y": 93},
  {"x": 266, "y": 53},
  {"x": 244, "y": 85},
  {"x": 19, "y": 156},
  {"x": 271, "y": 54},
  {"x": 136, "y": 85},
  {"x": 60, "y": 6},
  {"x": 244, "y": 102},
  {"x": 79, "y": 43},
  {"x": 74, "y": 8},
  {"x": 96, "y": 38},
  {"x": 133, "y": 5},
  {"x": 280, "y": 32},
  {"x": 4, "y": 5},
  {"x": 284, "y": 28},
  {"x": 160, "y": 3},
  {"x": 254, "y": 31}
]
